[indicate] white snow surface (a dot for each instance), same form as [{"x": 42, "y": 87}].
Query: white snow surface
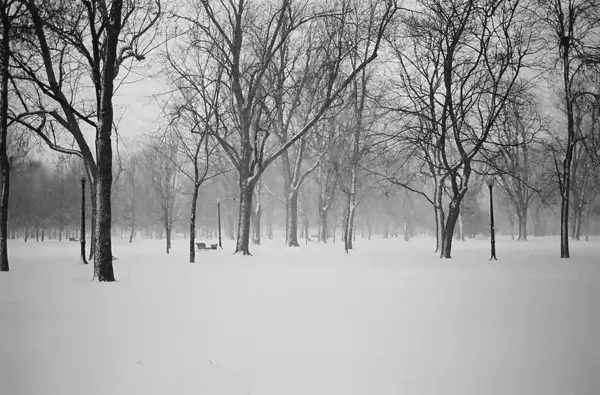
[{"x": 389, "y": 318}]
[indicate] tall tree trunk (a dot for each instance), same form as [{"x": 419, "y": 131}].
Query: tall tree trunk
[
  {"x": 132, "y": 224},
  {"x": 522, "y": 218},
  {"x": 565, "y": 46},
  {"x": 257, "y": 217},
  {"x": 453, "y": 213},
  {"x": 103, "y": 259},
  {"x": 292, "y": 219},
  {"x": 94, "y": 213},
  {"x": 4, "y": 161},
  {"x": 243, "y": 234},
  {"x": 323, "y": 213},
  {"x": 349, "y": 226},
  {"x": 440, "y": 217},
  {"x": 168, "y": 237},
  {"x": 193, "y": 223},
  {"x": 82, "y": 232},
  {"x": 440, "y": 236}
]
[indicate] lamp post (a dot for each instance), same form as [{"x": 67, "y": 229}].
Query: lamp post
[
  {"x": 219, "y": 221},
  {"x": 490, "y": 184}
]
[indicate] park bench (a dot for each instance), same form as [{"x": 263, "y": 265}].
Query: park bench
[
  {"x": 204, "y": 246},
  {"x": 72, "y": 239}
]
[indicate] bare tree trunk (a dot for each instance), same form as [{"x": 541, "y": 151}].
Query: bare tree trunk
[
  {"x": 440, "y": 217},
  {"x": 349, "y": 226},
  {"x": 103, "y": 259},
  {"x": 257, "y": 220},
  {"x": 132, "y": 224},
  {"x": 257, "y": 217},
  {"x": 245, "y": 213},
  {"x": 440, "y": 236},
  {"x": 323, "y": 213},
  {"x": 82, "y": 232},
  {"x": 168, "y": 237},
  {"x": 292, "y": 219},
  {"x": 193, "y": 223},
  {"x": 94, "y": 212},
  {"x": 453, "y": 214}
]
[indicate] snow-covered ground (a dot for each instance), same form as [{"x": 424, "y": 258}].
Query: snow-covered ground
[{"x": 389, "y": 318}]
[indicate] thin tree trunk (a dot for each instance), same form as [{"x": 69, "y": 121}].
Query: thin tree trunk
[
  {"x": 94, "y": 213},
  {"x": 82, "y": 232},
  {"x": 292, "y": 219},
  {"x": 193, "y": 224},
  {"x": 440, "y": 218},
  {"x": 257, "y": 218},
  {"x": 348, "y": 237},
  {"x": 168, "y": 237}
]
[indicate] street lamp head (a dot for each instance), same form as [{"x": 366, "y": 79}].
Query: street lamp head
[{"x": 490, "y": 182}]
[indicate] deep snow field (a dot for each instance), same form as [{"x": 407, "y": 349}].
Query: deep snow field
[{"x": 390, "y": 318}]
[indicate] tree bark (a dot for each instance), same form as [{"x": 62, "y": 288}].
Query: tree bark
[
  {"x": 94, "y": 202},
  {"x": 323, "y": 231},
  {"x": 453, "y": 213},
  {"x": 103, "y": 260},
  {"x": 245, "y": 214},
  {"x": 82, "y": 231},
  {"x": 349, "y": 226},
  {"x": 193, "y": 223},
  {"x": 257, "y": 219},
  {"x": 4, "y": 162},
  {"x": 168, "y": 237},
  {"x": 292, "y": 219},
  {"x": 522, "y": 218}
]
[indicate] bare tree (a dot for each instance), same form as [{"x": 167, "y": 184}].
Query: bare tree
[
  {"x": 458, "y": 65},
  {"x": 575, "y": 28},
  {"x": 162, "y": 165},
  {"x": 519, "y": 157},
  {"x": 248, "y": 37},
  {"x": 75, "y": 40}
]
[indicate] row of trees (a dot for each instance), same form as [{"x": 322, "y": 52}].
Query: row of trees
[{"x": 431, "y": 98}]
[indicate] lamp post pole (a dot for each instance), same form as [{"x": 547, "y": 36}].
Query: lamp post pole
[
  {"x": 219, "y": 221},
  {"x": 490, "y": 184}
]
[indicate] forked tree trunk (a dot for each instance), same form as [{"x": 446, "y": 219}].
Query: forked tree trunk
[{"x": 193, "y": 223}]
